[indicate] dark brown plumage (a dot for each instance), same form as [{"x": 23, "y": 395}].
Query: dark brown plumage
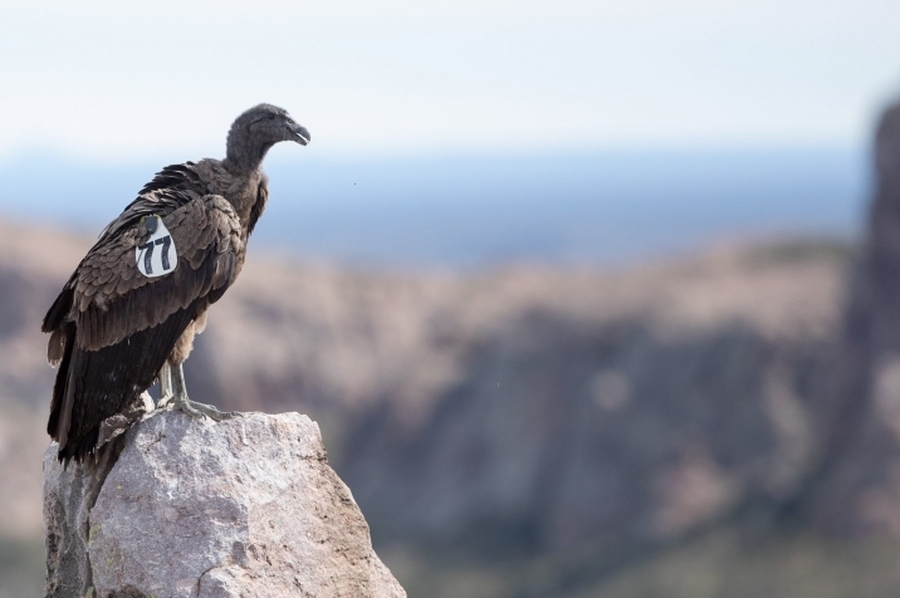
[{"x": 129, "y": 313}]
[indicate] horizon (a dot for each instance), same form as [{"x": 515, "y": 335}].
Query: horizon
[
  {"x": 603, "y": 207},
  {"x": 482, "y": 96}
]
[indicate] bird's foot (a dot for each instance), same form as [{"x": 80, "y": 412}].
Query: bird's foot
[
  {"x": 200, "y": 410},
  {"x": 165, "y": 401}
]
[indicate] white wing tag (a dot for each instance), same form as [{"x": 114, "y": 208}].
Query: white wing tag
[{"x": 157, "y": 256}]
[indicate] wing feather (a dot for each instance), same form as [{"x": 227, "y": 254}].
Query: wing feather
[
  {"x": 112, "y": 327},
  {"x": 207, "y": 236},
  {"x": 95, "y": 385}
]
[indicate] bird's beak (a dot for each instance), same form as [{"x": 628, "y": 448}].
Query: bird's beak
[{"x": 301, "y": 135}]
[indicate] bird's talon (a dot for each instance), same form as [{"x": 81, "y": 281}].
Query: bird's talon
[
  {"x": 165, "y": 402},
  {"x": 202, "y": 410}
]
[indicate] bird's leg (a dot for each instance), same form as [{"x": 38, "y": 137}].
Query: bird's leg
[
  {"x": 192, "y": 408},
  {"x": 165, "y": 386}
]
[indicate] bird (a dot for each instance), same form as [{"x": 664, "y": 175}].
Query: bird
[{"x": 127, "y": 316}]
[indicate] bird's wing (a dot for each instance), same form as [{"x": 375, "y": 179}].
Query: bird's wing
[
  {"x": 123, "y": 318},
  {"x": 116, "y": 291}
]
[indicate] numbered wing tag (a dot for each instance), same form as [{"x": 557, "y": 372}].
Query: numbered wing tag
[{"x": 157, "y": 256}]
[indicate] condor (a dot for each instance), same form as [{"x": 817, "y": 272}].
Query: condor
[{"x": 129, "y": 313}]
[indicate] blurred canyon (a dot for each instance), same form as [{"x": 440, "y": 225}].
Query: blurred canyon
[{"x": 725, "y": 423}]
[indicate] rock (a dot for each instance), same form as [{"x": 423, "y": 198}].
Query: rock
[
  {"x": 856, "y": 490},
  {"x": 246, "y": 507}
]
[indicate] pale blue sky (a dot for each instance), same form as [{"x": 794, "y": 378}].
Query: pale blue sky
[{"x": 130, "y": 80}]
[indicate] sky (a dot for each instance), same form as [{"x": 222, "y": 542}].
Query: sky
[{"x": 134, "y": 80}]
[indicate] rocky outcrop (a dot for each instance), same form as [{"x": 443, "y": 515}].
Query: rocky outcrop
[
  {"x": 856, "y": 488},
  {"x": 246, "y": 507}
]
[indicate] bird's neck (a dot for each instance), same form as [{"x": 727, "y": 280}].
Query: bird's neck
[
  {"x": 239, "y": 185},
  {"x": 244, "y": 156}
]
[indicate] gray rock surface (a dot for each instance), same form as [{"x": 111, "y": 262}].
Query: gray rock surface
[
  {"x": 857, "y": 490},
  {"x": 246, "y": 507}
]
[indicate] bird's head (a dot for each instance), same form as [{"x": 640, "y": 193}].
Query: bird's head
[{"x": 255, "y": 131}]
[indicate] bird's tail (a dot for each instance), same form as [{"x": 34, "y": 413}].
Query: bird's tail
[{"x": 60, "y": 421}]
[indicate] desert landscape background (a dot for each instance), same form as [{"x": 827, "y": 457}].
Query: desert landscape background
[{"x": 721, "y": 423}]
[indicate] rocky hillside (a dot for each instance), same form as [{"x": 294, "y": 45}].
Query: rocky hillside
[
  {"x": 523, "y": 409},
  {"x": 532, "y": 432}
]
